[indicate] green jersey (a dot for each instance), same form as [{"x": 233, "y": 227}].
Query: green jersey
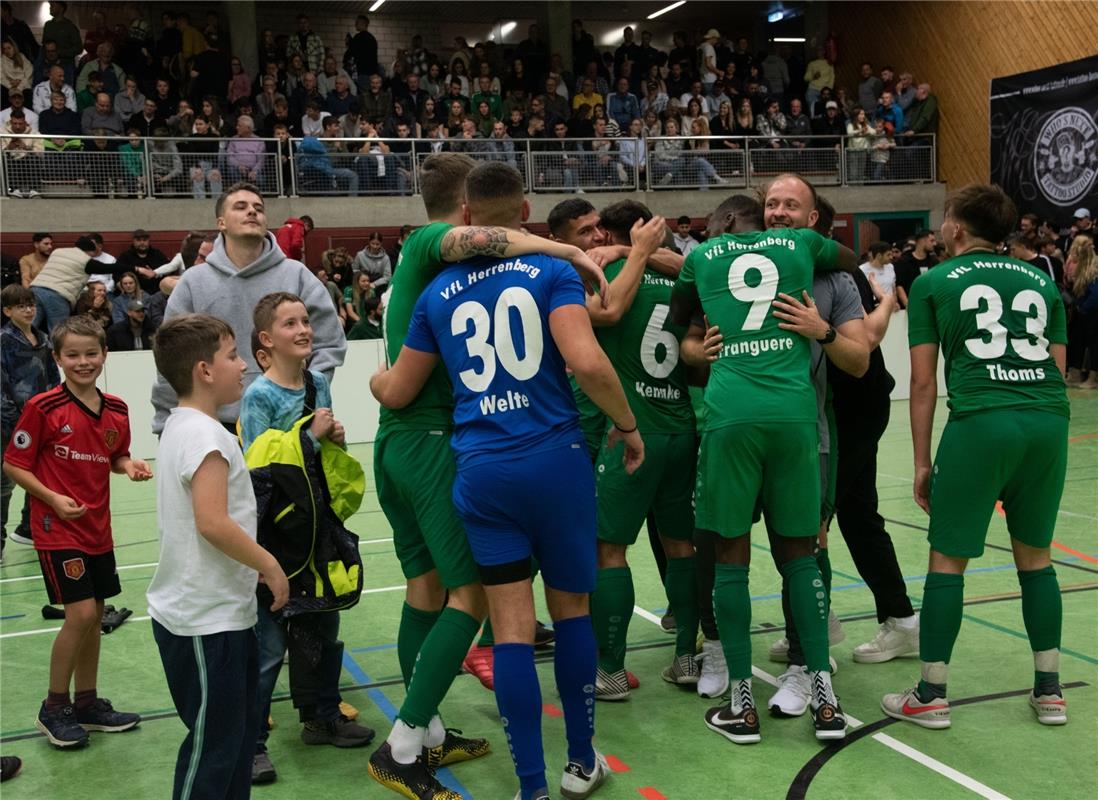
[
  {"x": 420, "y": 261},
  {"x": 762, "y": 372},
  {"x": 994, "y": 318},
  {"x": 644, "y": 348}
]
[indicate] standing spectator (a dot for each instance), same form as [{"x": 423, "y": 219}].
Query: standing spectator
[
  {"x": 169, "y": 45},
  {"x": 888, "y": 111},
  {"x": 418, "y": 58},
  {"x": 905, "y": 91},
  {"x": 1082, "y": 266},
  {"x": 96, "y": 34},
  {"x": 373, "y": 262},
  {"x": 245, "y": 152},
  {"x": 291, "y": 236},
  {"x": 861, "y": 135},
  {"x": 914, "y": 263},
  {"x": 881, "y": 152},
  {"x": 55, "y": 82},
  {"x": 819, "y": 73},
  {"x": 629, "y": 50},
  {"x": 209, "y": 73},
  {"x": 1023, "y": 248},
  {"x": 240, "y": 83},
  {"x": 879, "y": 267},
  {"x": 64, "y": 32},
  {"x": 307, "y": 44},
  {"x": 362, "y": 51},
  {"x": 888, "y": 79},
  {"x": 31, "y": 264},
  {"x": 110, "y": 74},
  {"x": 47, "y": 58},
  {"x": 775, "y": 72},
  {"x": 193, "y": 43},
  {"x": 18, "y": 31},
  {"x": 61, "y": 281},
  {"x": 142, "y": 259},
  {"x": 707, "y": 58},
  {"x": 830, "y": 124},
  {"x": 132, "y": 332},
  {"x": 870, "y": 88},
  {"x": 922, "y": 116},
  {"x": 583, "y": 47},
  {"x": 683, "y": 238}
]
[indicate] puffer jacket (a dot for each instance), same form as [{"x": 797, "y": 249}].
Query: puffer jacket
[{"x": 27, "y": 370}]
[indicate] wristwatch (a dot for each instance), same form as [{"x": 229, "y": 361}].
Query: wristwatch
[{"x": 828, "y": 337}]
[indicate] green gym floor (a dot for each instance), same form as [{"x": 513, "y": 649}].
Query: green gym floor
[{"x": 659, "y": 744}]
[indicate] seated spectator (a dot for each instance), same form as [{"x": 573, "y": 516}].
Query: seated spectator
[
  {"x": 295, "y": 73},
  {"x": 501, "y": 145},
  {"x": 147, "y": 120},
  {"x": 334, "y": 293},
  {"x": 667, "y": 161},
  {"x": 555, "y": 103},
  {"x": 240, "y": 83},
  {"x": 369, "y": 322},
  {"x": 716, "y": 96},
  {"x": 318, "y": 174},
  {"x": 535, "y": 127},
  {"x": 888, "y": 111},
  {"x": 798, "y": 125},
  {"x": 201, "y": 149},
  {"x": 429, "y": 113},
  {"x": 458, "y": 75},
  {"x": 581, "y": 125},
  {"x": 166, "y": 175},
  {"x": 54, "y": 83},
  {"x": 374, "y": 263},
  {"x": 336, "y": 263},
  {"x": 16, "y": 70},
  {"x": 330, "y": 72},
  {"x": 31, "y": 264},
  {"x": 304, "y": 94},
  {"x": 558, "y": 161},
  {"x": 651, "y": 125},
  {"x": 401, "y": 116},
  {"x": 181, "y": 123},
  {"x": 701, "y": 164},
  {"x": 483, "y": 119},
  {"x": 622, "y": 106},
  {"x": 376, "y": 103},
  {"x": 516, "y": 98},
  {"x": 265, "y": 100},
  {"x": 131, "y": 155},
  {"x": 166, "y": 97},
  {"x": 677, "y": 81},
  {"x": 126, "y": 288},
  {"x": 95, "y": 302},
  {"x": 455, "y": 93},
  {"x": 244, "y": 153},
  {"x": 468, "y": 139},
  {"x": 922, "y": 117},
  {"x": 280, "y": 116},
  {"x": 48, "y": 58},
  {"x": 18, "y": 101},
  {"x": 133, "y": 332},
  {"x": 211, "y": 110},
  {"x": 86, "y": 98},
  {"x": 312, "y": 122},
  {"x": 485, "y": 94},
  {"x": 772, "y": 126},
  {"x": 655, "y": 100},
  {"x": 879, "y": 266},
  {"x": 819, "y": 108},
  {"x": 157, "y": 303},
  {"x": 340, "y": 98},
  {"x": 830, "y": 124},
  {"x": 696, "y": 92},
  {"x": 110, "y": 74},
  {"x": 724, "y": 124},
  {"x": 632, "y": 151},
  {"x": 693, "y": 112},
  {"x": 23, "y": 158},
  {"x": 745, "y": 118},
  {"x": 102, "y": 116},
  {"x": 129, "y": 101},
  {"x": 586, "y": 95}
]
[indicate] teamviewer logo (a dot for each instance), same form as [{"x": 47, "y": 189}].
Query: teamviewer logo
[{"x": 61, "y": 451}]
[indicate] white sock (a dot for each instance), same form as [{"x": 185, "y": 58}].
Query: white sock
[
  {"x": 822, "y": 691},
  {"x": 436, "y": 733},
  {"x": 741, "y": 694},
  {"x": 406, "y": 742}
]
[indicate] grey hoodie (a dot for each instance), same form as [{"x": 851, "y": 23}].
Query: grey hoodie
[
  {"x": 377, "y": 267},
  {"x": 219, "y": 288}
]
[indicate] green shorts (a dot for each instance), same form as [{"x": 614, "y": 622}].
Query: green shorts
[
  {"x": 664, "y": 484},
  {"x": 774, "y": 463},
  {"x": 827, "y": 492},
  {"x": 1013, "y": 455},
  {"x": 414, "y": 472}
]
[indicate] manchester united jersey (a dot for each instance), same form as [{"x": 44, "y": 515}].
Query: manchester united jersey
[{"x": 70, "y": 449}]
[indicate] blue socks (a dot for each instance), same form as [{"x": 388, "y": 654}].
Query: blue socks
[
  {"x": 518, "y": 697},
  {"x": 574, "y": 664}
]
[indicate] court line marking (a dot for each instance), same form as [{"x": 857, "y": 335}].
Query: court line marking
[{"x": 918, "y": 756}]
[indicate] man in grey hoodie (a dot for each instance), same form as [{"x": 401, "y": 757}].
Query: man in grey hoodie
[{"x": 247, "y": 263}]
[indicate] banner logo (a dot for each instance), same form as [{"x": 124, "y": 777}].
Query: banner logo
[{"x": 1064, "y": 158}]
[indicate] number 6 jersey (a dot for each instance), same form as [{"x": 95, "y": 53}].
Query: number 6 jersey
[
  {"x": 994, "y": 318},
  {"x": 488, "y": 318},
  {"x": 762, "y": 373}
]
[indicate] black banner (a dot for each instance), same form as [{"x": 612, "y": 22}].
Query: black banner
[{"x": 1044, "y": 138}]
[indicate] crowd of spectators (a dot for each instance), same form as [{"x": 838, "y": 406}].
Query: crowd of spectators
[{"x": 352, "y": 119}]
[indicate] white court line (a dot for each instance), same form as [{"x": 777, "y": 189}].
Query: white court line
[
  {"x": 918, "y": 756},
  {"x": 154, "y": 563}
]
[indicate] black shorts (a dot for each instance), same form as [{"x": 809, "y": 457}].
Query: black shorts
[{"x": 73, "y": 575}]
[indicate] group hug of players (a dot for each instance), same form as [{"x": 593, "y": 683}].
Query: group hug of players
[{"x": 571, "y": 423}]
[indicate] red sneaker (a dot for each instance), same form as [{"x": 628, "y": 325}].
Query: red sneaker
[{"x": 478, "y": 662}]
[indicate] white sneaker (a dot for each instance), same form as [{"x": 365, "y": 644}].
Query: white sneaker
[
  {"x": 15, "y": 193},
  {"x": 779, "y": 650},
  {"x": 794, "y": 692},
  {"x": 714, "y": 670},
  {"x": 576, "y": 783},
  {"x": 892, "y": 640}
]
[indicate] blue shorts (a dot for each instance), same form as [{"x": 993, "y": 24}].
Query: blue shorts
[{"x": 539, "y": 504}]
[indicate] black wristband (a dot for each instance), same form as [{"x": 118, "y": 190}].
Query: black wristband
[{"x": 623, "y": 430}]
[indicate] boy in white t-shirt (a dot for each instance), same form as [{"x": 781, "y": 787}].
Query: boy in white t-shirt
[
  {"x": 202, "y": 598},
  {"x": 879, "y": 268}
]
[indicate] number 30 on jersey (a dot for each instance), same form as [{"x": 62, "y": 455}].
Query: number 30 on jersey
[{"x": 505, "y": 350}]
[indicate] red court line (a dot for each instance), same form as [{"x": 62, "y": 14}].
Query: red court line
[
  {"x": 648, "y": 793},
  {"x": 1081, "y": 438},
  {"x": 1076, "y": 553},
  {"x": 551, "y": 710},
  {"x": 616, "y": 764}
]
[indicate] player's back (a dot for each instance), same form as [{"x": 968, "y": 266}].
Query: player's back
[
  {"x": 762, "y": 372},
  {"x": 994, "y": 317},
  {"x": 489, "y": 320}
]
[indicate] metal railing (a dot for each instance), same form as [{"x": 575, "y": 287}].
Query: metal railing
[{"x": 118, "y": 167}]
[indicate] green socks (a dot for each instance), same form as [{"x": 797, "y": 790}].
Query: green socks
[
  {"x": 823, "y": 561},
  {"x": 682, "y": 594},
  {"x": 438, "y": 664},
  {"x": 808, "y": 602},
  {"x": 732, "y": 609},
  {"x": 611, "y": 609},
  {"x": 1043, "y": 614},
  {"x": 414, "y": 627},
  {"x": 940, "y": 619}
]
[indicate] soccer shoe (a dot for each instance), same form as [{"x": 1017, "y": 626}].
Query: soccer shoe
[
  {"x": 347, "y": 710},
  {"x": 794, "y": 692},
  {"x": 668, "y": 624},
  {"x": 829, "y": 721},
  {"x": 61, "y": 727},
  {"x": 454, "y": 749},
  {"x": 543, "y": 636},
  {"x": 101, "y": 716},
  {"x": 892, "y": 640},
  {"x": 263, "y": 771},
  {"x": 1051, "y": 709},
  {"x": 738, "y": 722},
  {"x": 907, "y": 706},
  {"x": 683, "y": 671},
  {"x": 478, "y": 663},
  {"x": 414, "y": 781},
  {"x": 9, "y": 767},
  {"x": 611, "y": 685},
  {"x": 338, "y": 732},
  {"x": 577, "y": 783},
  {"x": 713, "y": 681}
]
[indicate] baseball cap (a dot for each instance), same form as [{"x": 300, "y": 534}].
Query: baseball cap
[
  {"x": 141, "y": 233},
  {"x": 135, "y": 305},
  {"x": 1082, "y": 213},
  {"x": 712, "y": 33},
  {"x": 832, "y": 104}
]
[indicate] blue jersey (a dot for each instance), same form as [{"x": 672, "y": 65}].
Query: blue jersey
[{"x": 488, "y": 319}]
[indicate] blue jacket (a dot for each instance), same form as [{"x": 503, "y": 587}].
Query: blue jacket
[
  {"x": 623, "y": 110},
  {"x": 25, "y": 370},
  {"x": 311, "y": 154}
]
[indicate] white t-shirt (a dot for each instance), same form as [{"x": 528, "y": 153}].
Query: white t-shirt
[
  {"x": 198, "y": 590},
  {"x": 885, "y": 276},
  {"x": 708, "y": 51},
  {"x": 107, "y": 279}
]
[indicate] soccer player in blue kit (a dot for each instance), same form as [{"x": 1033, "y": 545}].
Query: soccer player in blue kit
[{"x": 505, "y": 329}]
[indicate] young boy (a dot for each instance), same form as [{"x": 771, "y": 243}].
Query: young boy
[
  {"x": 65, "y": 445},
  {"x": 285, "y": 393},
  {"x": 202, "y": 597},
  {"x": 27, "y": 369}
]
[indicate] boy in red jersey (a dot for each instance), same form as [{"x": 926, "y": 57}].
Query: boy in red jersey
[{"x": 65, "y": 445}]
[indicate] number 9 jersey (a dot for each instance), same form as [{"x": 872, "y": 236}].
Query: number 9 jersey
[
  {"x": 488, "y": 319},
  {"x": 994, "y": 318}
]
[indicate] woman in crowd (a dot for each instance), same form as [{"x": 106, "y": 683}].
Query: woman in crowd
[
  {"x": 240, "y": 82},
  {"x": 667, "y": 162},
  {"x": 202, "y": 150},
  {"x": 456, "y": 117},
  {"x": 429, "y": 113},
  {"x": 354, "y": 296},
  {"x": 651, "y": 124},
  {"x": 126, "y": 290},
  {"x": 211, "y": 110},
  {"x": 400, "y": 116},
  {"x": 432, "y": 81},
  {"x": 96, "y": 303},
  {"x": 701, "y": 162},
  {"x": 745, "y": 118},
  {"x": 482, "y": 116},
  {"x": 373, "y": 261},
  {"x": 655, "y": 76},
  {"x": 457, "y": 73},
  {"x": 693, "y": 112},
  {"x": 860, "y": 136},
  {"x": 1081, "y": 274},
  {"x": 337, "y": 263},
  {"x": 16, "y": 71},
  {"x": 724, "y": 124},
  {"x": 295, "y": 71}
]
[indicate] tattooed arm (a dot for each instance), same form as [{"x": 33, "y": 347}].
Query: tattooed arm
[{"x": 476, "y": 240}]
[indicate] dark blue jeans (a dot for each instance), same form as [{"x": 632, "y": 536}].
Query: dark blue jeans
[
  {"x": 212, "y": 680},
  {"x": 53, "y": 309}
]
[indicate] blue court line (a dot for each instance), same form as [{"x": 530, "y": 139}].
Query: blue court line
[
  {"x": 390, "y": 711},
  {"x": 1024, "y": 637},
  {"x": 13, "y": 616},
  {"x": 374, "y": 648}
]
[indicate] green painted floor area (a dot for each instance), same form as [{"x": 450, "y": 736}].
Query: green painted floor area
[{"x": 995, "y": 748}]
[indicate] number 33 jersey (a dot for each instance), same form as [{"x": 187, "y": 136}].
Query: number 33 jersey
[
  {"x": 994, "y": 318},
  {"x": 488, "y": 319},
  {"x": 762, "y": 373}
]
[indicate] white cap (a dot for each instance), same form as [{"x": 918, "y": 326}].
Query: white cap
[{"x": 1082, "y": 213}]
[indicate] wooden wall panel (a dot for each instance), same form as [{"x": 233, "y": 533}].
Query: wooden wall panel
[{"x": 958, "y": 47}]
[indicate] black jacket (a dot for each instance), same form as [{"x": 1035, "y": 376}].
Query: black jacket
[{"x": 120, "y": 337}]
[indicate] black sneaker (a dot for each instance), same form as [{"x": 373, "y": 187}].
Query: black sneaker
[
  {"x": 543, "y": 636},
  {"x": 9, "y": 767},
  {"x": 339, "y": 732},
  {"x": 414, "y": 781},
  {"x": 263, "y": 771},
  {"x": 454, "y": 749},
  {"x": 22, "y": 535},
  {"x": 101, "y": 716},
  {"x": 829, "y": 721},
  {"x": 668, "y": 624},
  {"x": 738, "y": 725},
  {"x": 61, "y": 727}
]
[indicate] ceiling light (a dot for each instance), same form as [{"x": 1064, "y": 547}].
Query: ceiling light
[
  {"x": 377, "y": 4},
  {"x": 506, "y": 28},
  {"x": 665, "y": 9},
  {"x": 775, "y": 16},
  {"x": 799, "y": 39}
]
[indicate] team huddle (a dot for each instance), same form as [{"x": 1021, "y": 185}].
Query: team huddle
[{"x": 543, "y": 402}]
